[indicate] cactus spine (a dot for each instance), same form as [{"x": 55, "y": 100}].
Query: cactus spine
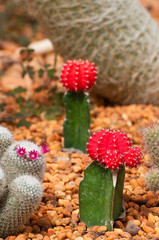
[
  {"x": 76, "y": 125},
  {"x": 22, "y": 166}
]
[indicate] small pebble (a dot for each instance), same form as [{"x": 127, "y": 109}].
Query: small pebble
[{"x": 132, "y": 228}]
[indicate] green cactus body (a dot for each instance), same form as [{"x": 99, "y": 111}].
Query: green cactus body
[
  {"x": 100, "y": 202},
  {"x": 76, "y": 125},
  {"x": 15, "y": 165},
  {"x": 24, "y": 195}
]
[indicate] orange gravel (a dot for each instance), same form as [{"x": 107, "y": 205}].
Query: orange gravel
[{"x": 58, "y": 215}]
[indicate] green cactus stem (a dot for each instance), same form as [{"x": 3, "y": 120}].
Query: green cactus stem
[
  {"x": 100, "y": 196},
  {"x": 76, "y": 125}
]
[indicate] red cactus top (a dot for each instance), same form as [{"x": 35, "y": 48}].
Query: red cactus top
[
  {"x": 78, "y": 75},
  {"x": 112, "y": 148}
]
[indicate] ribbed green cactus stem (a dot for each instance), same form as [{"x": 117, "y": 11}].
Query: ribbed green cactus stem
[
  {"x": 24, "y": 196},
  {"x": 6, "y": 139},
  {"x": 151, "y": 141},
  {"x": 2, "y": 182},
  {"x": 15, "y": 165},
  {"x": 152, "y": 179},
  {"x": 76, "y": 125},
  {"x": 101, "y": 195}
]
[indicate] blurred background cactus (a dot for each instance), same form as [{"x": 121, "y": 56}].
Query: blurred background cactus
[
  {"x": 120, "y": 37},
  {"x": 22, "y": 166},
  {"x": 151, "y": 142}
]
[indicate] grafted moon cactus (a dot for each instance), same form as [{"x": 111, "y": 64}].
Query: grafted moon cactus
[
  {"x": 22, "y": 166},
  {"x": 77, "y": 76},
  {"x": 101, "y": 190},
  {"x": 119, "y": 36}
]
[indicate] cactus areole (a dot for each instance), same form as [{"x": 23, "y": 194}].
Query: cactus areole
[
  {"x": 101, "y": 190},
  {"x": 77, "y": 76}
]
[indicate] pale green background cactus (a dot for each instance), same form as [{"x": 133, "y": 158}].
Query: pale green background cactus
[
  {"x": 119, "y": 36},
  {"x": 20, "y": 184},
  {"x": 151, "y": 141},
  {"x": 152, "y": 179}
]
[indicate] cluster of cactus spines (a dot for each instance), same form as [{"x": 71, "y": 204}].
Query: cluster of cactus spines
[
  {"x": 23, "y": 157},
  {"x": 24, "y": 195},
  {"x": 101, "y": 190},
  {"x": 77, "y": 76},
  {"x": 151, "y": 142},
  {"x": 22, "y": 167},
  {"x": 6, "y": 139}
]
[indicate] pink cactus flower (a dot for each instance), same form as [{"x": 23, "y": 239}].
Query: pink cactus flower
[
  {"x": 20, "y": 151},
  {"x": 33, "y": 155},
  {"x": 44, "y": 149}
]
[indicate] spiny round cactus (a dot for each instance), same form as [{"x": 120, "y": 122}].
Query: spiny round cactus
[
  {"x": 23, "y": 197},
  {"x": 2, "y": 182},
  {"x": 23, "y": 157},
  {"x": 152, "y": 179},
  {"x": 151, "y": 141},
  {"x": 6, "y": 139},
  {"x": 78, "y": 75},
  {"x": 112, "y": 148}
]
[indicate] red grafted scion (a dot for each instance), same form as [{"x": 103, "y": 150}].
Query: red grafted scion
[
  {"x": 133, "y": 157},
  {"x": 78, "y": 75},
  {"x": 112, "y": 148}
]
